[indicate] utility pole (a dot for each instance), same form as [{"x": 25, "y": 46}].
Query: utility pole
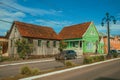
[{"x": 107, "y": 20}]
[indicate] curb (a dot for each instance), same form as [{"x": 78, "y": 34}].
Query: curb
[
  {"x": 65, "y": 70},
  {"x": 13, "y": 64}
]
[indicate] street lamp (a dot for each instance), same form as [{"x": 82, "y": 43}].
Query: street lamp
[{"x": 107, "y": 20}]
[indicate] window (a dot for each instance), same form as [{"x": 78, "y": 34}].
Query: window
[
  {"x": 80, "y": 44},
  {"x": 89, "y": 46},
  {"x": 54, "y": 43},
  {"x": 39, "y": 42},
  {"x": 48, "y": 44},
  {"x": 73, "y": 44},
  {"x": 30, "y": 41}
]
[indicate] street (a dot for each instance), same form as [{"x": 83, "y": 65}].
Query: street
[
  {"x": 104, "y": 71},
  {"x": 12, "y": 70}
]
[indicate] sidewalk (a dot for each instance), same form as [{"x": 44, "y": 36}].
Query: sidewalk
[{"x": 7, "y": 63}]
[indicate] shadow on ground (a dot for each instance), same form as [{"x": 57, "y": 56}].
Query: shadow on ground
[{"x": 105, "y": 78}]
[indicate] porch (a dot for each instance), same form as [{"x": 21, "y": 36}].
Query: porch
[{"x": 75, "y": 45}]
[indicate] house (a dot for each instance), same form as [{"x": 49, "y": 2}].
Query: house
[
  {"x": 3, "y": 45},
  {"x": 83, "y": 38},
  {"x": 44, "y": 39},
  {"x": 114, "y": 43}
]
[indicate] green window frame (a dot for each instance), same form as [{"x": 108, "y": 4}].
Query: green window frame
[
  {"x": 48, "y": 44},
  {"x": 54, "y": 43},
  {"x": 39, "y": 42}
]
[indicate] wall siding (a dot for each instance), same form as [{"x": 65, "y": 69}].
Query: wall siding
[
  {"x": 43, "y": 49},
  {"x": 89, "y": 39}
]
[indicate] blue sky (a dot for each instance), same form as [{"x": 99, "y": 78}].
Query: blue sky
[{"x": 59, "y": 13}]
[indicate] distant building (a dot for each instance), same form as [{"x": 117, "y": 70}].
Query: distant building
[
  {"x": 114, "y": 43},
  {"x": 44, "y": 39},
  {"x": 83, "y": 38}
]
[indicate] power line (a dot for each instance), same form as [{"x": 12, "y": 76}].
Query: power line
[
  {"x": 5, "y": 21},
  {"x": 18, "y": 10},
  {"x": 11, "y": 7}
]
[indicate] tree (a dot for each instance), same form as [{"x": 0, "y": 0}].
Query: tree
[
  {"x": 24, "y": 48},
  {"x": 62, "y": 45}
]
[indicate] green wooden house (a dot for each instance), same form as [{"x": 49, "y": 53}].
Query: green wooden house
[{"x": 83, "y": 38}]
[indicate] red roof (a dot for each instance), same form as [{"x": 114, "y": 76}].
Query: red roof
[
  {"x": 2, "y": 37},
  {"x": 35, "y": 31},
  {"x": 74, "y": 31}
]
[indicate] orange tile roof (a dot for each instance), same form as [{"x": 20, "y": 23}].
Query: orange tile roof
[
  {"x": 2, "y": 37},
  {"x": 74, "y": 31},
  {"x": 35, "y": 31}
]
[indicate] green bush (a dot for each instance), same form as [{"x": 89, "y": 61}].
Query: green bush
[
  {"x": 35, "y": 71},
  {"x": 115, "y": 55},
  {"x": 26, "y": 70},
  {"x": 88, "y": 60},
  {"x": 91, "y": 59},
  {"x": 68, "y": 63},
  {"x": 101, "y": 58},
  {"x": 95, "y": 58}
]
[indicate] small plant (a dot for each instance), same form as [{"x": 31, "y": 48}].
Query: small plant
[
  {"x": 35, "y": 71},
  {"x": 115, "y": 55},
  {"x": 88, "y": 60},
  {"x": 91, "y": 59},
  {"x": 68, "y": 63},
  {"x": 26, "y": 70},
  {"x": 96, "y": 58},
  {"x": 101, "y": 58},
  {"x": 62, "y": 46}
]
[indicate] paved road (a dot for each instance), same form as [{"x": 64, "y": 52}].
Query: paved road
[
  {"x": 12, "y": 70},
  {"x": 104, "y": 71}
]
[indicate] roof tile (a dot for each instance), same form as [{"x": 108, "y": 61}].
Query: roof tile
[
  {"x": 35, "y": 31},
  {"x": 74, "y": 31}
]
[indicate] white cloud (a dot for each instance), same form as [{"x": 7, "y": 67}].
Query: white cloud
[
  {"x": 9, "y": 14},
  {"x": 114, "y": 28},
  {"x": 53, "y": 23},
  {"x": 56, "y": 25},
  {"x": 32, "y": 11}
]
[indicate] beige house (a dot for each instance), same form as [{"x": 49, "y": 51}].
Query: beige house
[{"x": 44, "y": 39}]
